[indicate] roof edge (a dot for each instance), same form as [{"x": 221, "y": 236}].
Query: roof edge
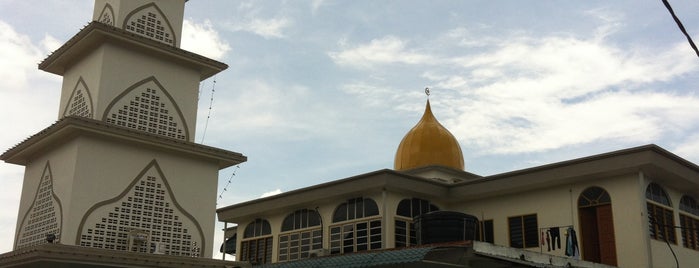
[
  {"x": 15, "y": 155},
  {"x": 53, "y": 62}
]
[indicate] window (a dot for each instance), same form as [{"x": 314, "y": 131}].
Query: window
[
  {"x": 660, "y": 216},
  {"x": 358, "y": 227},
  {"x": 523, "y": 231},
  {"x": 301, "y": 233},
  {"x": 485, "y": 231},
  {"x": 689, "y": 222},
  {"x": 408, "y": 209},
  {"x": 355, "y": 208},
  {"x": 256, "y": 246},
  {"x": 593, "y": 196}
]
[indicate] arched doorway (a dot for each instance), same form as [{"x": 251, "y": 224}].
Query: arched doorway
[{"x": 597, "y": 226}]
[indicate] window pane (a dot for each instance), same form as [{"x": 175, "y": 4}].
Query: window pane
[
  {"x": 340, "y": 213},
  {"x": 288, "y": 223},
  {"x": 404, "y": 208},
  {"x": 531, "y": 231},
  {"x": 370, "y": 208},
  {"x": 516, "y": 233},
  {"x": 313, "y": 219}
]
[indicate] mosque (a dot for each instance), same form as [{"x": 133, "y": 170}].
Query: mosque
[{"x": 118, "y": 181}]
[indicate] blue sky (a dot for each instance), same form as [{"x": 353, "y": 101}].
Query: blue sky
[{"x": 322, "y": 90}]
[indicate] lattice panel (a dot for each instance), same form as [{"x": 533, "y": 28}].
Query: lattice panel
[
  {"x": 106, "y": 18},
  {"x": 145, "y": 109},
  {"x": 79, "y": 103},
  {"x": 149, "y": 23},
  {"x": 44, "y": 217},
  {"x": 146, "y": 208}
]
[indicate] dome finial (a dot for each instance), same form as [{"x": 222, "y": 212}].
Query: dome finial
[{"x": 428, "y": 143}]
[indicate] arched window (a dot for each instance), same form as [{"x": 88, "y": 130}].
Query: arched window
[
  {"x": 356, "y": 226},
  {"x": 408, "y": 209},
  {"x": 593, "y": 196},
  {"x": 301, "y": 232},
  {"x": 256, "y": 246},
  {"x": 660, "y": 215},
  {"x": 689, "y": 221}
]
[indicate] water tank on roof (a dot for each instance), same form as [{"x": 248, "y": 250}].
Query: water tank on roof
[{"x": 445, "y": 226}]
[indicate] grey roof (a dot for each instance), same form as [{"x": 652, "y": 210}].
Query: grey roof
[{"x": 365, "y": 259}]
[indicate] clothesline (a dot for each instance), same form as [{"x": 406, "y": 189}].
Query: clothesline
[{"x": 551, "y": 240}]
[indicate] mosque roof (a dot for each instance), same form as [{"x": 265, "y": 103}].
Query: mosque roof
[{"x": 428, "y": 143}]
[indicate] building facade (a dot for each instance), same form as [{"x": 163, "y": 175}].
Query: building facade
[
  {"x": 119, "y": 170},
  {"x": 630, "y": 208}
]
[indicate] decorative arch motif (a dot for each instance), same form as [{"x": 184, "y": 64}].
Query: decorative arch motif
[
  {"x": 107, "y": 15},
  {"x": 147, "y": 106},
  {"x": 80, "y": 101},
  {"x": 145, "y": 218},
  {"x": 149, "y": 21},
  {"x": 44, "y": 216}
]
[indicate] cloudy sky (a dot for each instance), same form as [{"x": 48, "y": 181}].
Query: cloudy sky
[{"x": 322, "y": 90}]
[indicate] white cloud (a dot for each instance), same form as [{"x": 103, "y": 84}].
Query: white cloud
[
  {"x": 203, "y": 39},
  {"x": 28, "y": 98},
  {"x": 17, "y": 57},
  {"x": 252, "y": 22},
  {"x": 387, "y": 50},
  {"x": 532, "y": 94},
  {"x": 271, "y": 193},
  {"x": 315, "y": 5},
  {"x": 558, "y": 92}
]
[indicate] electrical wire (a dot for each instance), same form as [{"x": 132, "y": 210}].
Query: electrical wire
[
  {"x": 230, "y": 180},
  {"x": 211, "y": 105},
  {"x": 679, "y": 24}
]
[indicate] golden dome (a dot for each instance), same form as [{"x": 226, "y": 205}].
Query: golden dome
[{"x": 428, "y": 143}]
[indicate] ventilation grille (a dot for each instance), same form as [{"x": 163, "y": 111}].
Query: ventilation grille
[
  {"x": 148, "y": 24},
  {"x": 43, "y": 219},
  {"x": 79, "y": 105},
  {"x": 147, "y": 112},
  {"x": 146, "y": 209}
]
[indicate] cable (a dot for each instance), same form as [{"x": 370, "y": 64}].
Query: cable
[
  {"x": 679, "y": 24},
  {"x": 665, "y": 235},
  {"x": 225, "y": 188},
  {"x": 211, "y": 105}
]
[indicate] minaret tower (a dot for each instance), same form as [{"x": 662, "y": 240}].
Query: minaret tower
[{"x": 119, "y": 169}]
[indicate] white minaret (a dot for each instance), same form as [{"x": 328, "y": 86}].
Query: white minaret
[{"x": 119, "y": 169}]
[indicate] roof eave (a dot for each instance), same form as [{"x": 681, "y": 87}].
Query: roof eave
[
  {"x": 379, "y": 180},
  {"x": 95, "y": 34},
  {"x": 70, "y": 127}
]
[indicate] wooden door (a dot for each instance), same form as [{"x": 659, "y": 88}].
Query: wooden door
[
  {"x": 589, "y": 234},
  {"x": 605, "y": 227}
]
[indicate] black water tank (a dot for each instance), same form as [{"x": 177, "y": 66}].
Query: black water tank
[{"x": 445, "y": 226}]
